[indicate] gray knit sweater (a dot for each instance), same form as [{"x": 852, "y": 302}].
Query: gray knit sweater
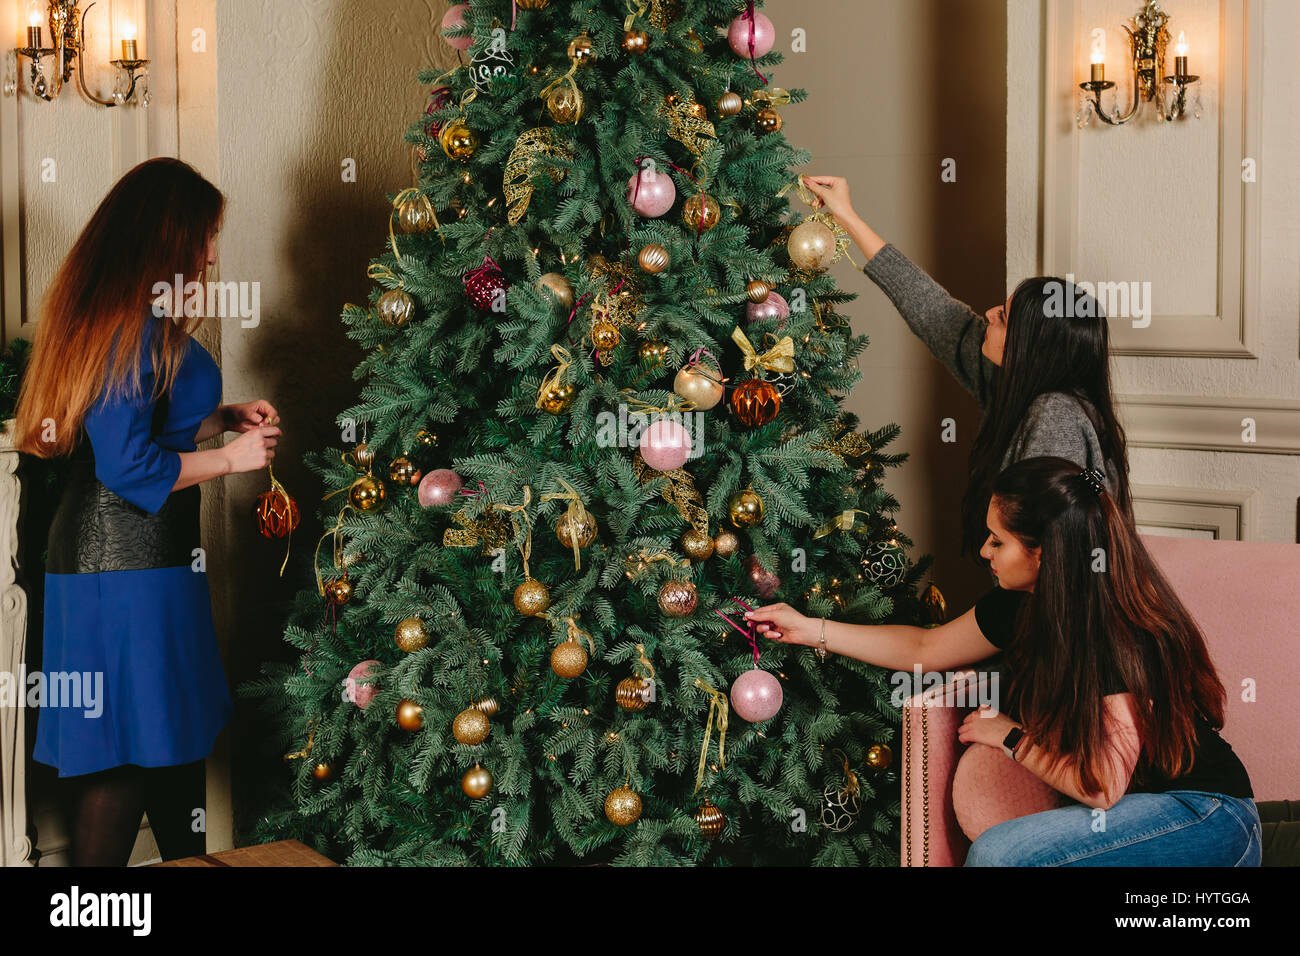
[{"x": 1056, "y": 423}]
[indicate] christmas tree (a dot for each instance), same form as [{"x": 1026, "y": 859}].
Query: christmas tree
[{"x": 601, "y": 416}]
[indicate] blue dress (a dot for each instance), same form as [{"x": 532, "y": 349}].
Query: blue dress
[{"x": 130, "y": 649}]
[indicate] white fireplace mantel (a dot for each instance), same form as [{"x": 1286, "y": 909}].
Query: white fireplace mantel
[{"x": 15, "y": 842}]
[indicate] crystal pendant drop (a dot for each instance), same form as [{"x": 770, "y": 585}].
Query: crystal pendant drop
[{"x": 1084, "y": 116}]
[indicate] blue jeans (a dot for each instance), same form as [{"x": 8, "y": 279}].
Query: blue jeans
[{"x": 1178, "y": 828}]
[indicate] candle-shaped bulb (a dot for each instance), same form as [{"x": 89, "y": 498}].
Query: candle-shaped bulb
[
  {"x": 129, "y": 48},
  {"x": 1098, "y": 56},
  {"x": 34, "y": 18},
  {"x": 1180, "y": 48}
]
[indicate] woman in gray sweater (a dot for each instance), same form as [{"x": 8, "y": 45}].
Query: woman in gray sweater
[{"x": 1040, "y": 372}]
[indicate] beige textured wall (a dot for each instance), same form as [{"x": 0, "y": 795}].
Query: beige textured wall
[{"x": 895, "y": 88}]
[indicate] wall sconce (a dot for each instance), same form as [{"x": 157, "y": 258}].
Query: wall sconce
[
  {"x": 68, "y": 36},
  {"x": 1148, "y": 39}
]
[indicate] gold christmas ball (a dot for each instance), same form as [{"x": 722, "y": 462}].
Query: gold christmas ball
[
  {"x": 623, "y": 806},
  {"x": 653, "y": 258},
  {"x": 411, "y": 635},
  {"x": 697, "y": 545},
  {"x": 604, "y": 336},
  {"x": 426, "y": 439},
  {"x": 410, "y": 715},
  {"x": 811, "y": 245},
  {"x": 557, "y": 398},
  {"x": 569, "y": 659},
  {"x": 725, "y": 544},
  {"x": 710, "y": 819},
  {"x": 730, "y": 103},
  {"x": 477, "y": 782},
  {"x": 564, "y": 103},
  {"x": 653, "y": 353},
  {"x": 471, "y": 726},
  {"x": 768, "y": 120},
  {"x": 745, "y": 508},
  {"x": 532, "y": 598},
  {"x": 322, "y": 771},
  {"x": 395, "y": 308},
  {"x": 582, "y": 51},
  {"x": 458, "y": 141},
  {"x": 415, "y": 214},
  {"x": 488, "y": 705},
  {"x": 757, "y": 291},
  {"x": 636, "y": 42},
  {"x": 338, "y": 591},
  {"x": 633, "y": 694},
  {"x": 532, "y": 4},
  {"x": 560, "y": 288},
  {"x": 879, "y": 756},
  {"x": 704, "y": 391},
  {"x": 367, "y": 493},
  {"x": 403, "y": 471},
  {"x": 567, "y": 527},
  {"x": 678, "y": 598},
  {"x": 701, "y": 212},
  {"x": 364, "y": 455}
]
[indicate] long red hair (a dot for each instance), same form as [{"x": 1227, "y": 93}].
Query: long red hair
[{"x": 155, "y": 224}]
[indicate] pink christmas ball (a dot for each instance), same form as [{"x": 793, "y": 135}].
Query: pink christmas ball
[
  {"x": 756, "y": 696},
  {"x": 439, "y": 487},
  {"x": 764, "y": 35},
  {"x": 766, "y": 583},
  {"x": 773, "y": 307},
  {"x": 453, "y": 19},
  {"x": 361, "y": 694},
  {"x": 656, "y": 194},
  {"x": 665, "y": 445}
]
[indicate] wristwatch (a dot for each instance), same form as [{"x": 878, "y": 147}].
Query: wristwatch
[{"x": 1011, "y": 740}]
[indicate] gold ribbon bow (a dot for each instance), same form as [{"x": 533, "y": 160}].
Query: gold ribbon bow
[
  {"x": 675, "y": 404},
  {"x": 779, "y": 358},
  {"x": 336, "y": 531},
  {"x": 718, "y": 709},
  {"x": 556, "y": 375},
  {"x": 644, "y": 661},
  {"x": 575, "y": 632},
  {"x": 636, "y": 8},
  {"x": 774, "y": 97},
  {"x": 527, "y": 548},
  {"x": 381, "y": 273},
  {"x": 577, "y": 514},
  {"x": 844, "y": 521},
  {"x": 637, "y": 563}
]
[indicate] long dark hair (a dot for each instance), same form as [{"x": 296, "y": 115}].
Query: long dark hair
[
  {"x": 1048, "y": 349},
  {"x": 1085, "y": 616},
  {"x": 153, "y": 225}
]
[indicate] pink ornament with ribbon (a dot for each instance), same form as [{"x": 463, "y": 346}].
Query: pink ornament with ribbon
[{"x": 755, "y": 695}]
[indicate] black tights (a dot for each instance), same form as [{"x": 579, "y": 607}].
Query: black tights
[{"x": 110, "y": 803}]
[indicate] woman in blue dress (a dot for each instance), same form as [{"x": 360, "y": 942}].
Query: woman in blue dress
[{"x": 134, "y": 689}]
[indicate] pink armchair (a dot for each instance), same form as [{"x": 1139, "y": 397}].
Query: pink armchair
[{"x": 1242, "y": 594}]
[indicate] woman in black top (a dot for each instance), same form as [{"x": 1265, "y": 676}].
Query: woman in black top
[{"x": 1112, "y": 698}]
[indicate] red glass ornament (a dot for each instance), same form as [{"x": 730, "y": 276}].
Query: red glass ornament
[
  {"x": 276, "y": 514},
  {"x": 755, "y": 402},
  {"x": 484, "y": 284}
]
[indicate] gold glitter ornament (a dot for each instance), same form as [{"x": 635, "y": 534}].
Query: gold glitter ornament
[
  {"x": 623, "y": 806},
  {"x": 604, "y": 336},
  {"x": 477, "y": 782},
  {"x": 710, "y": 819},
  {"x": 701, "y": 212},
  {"x": 725, "y": 544},
  {"x": 678, "y": 598},
  {"x": 569, "y": 659},
  {"x": 410, "y": 715},
  {"x": 471, "y": 726},
  {"x": 532, "y": 598},
  {"x": 653, "y": 258},
  {"x": 745, "y": 509},
  {"x": 411, "y": 635},
  {"x": 367, "y": 494},
  {"x": 395, "y": 308},
  {"x": 697, "y": 545},
  {"x": 403, "y": 471}
]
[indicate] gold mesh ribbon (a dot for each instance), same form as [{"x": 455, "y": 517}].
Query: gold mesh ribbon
[
  {"x": 844, "y": 443},
  {"x": 522, "y": 509},
  {"x": 774, "y": 97},
  {"x": 718, "y": 710},
  {"x": 779, "y": 358},
  {"x": 556, "y": 375},
  {"x": 687, "y": 128},
  {"x": 663, "y": 12},
  {"x": 576, "y": 514},
  {"x": 518, "y": 182},
  {"x": 487, "y": 533},
  {"x": 679, "y": 491},
  {"x": 844, "y": 521}
]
